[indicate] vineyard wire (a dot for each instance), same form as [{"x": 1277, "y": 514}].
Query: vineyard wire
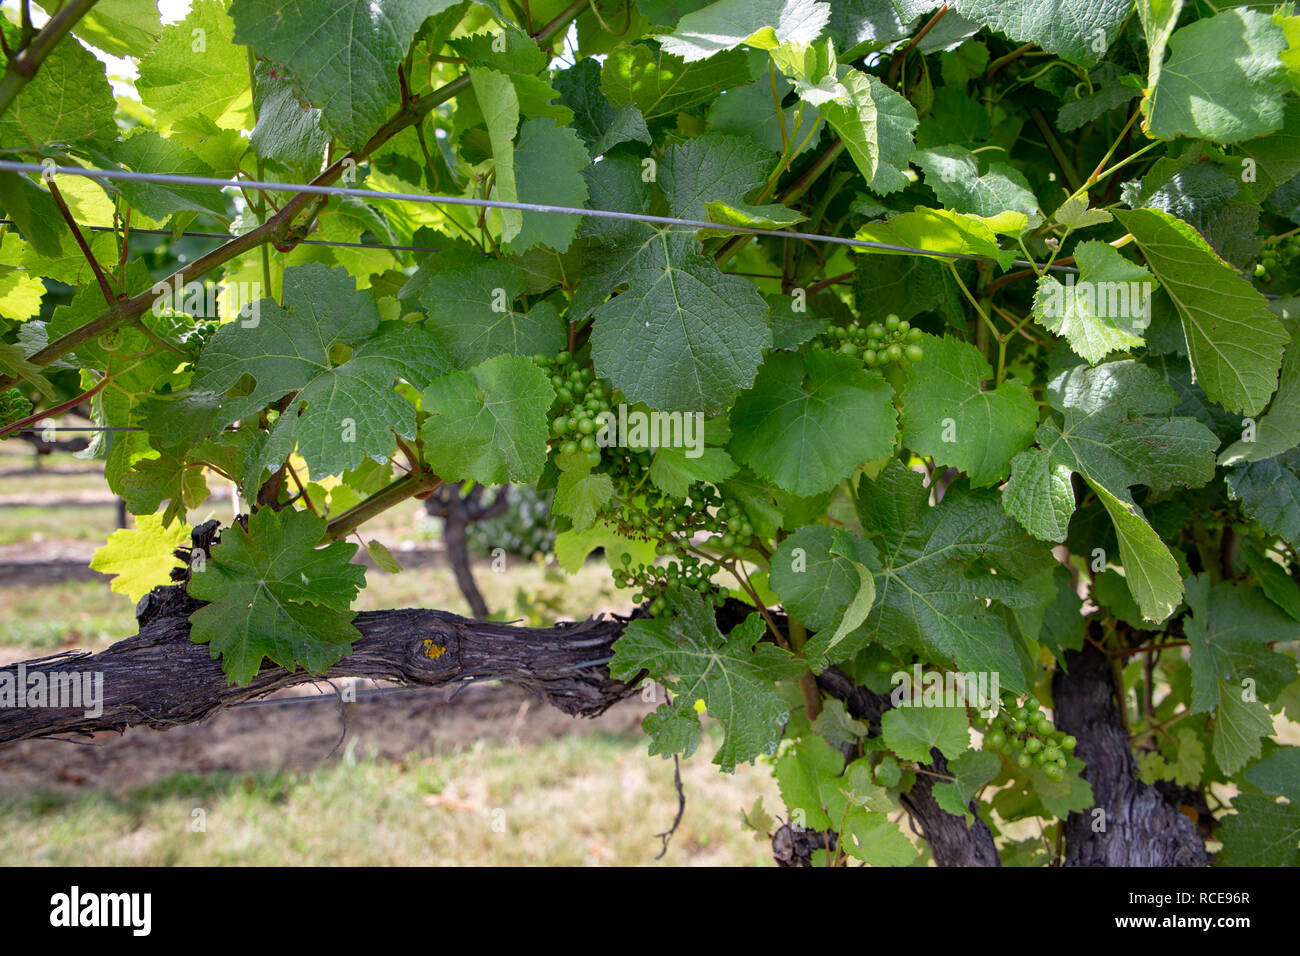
[{"x": 432, "y": 199}]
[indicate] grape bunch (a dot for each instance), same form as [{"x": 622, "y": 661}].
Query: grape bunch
[
  {"x": 894, "y": 342},
  {"x": 1277, "y": 259},
  {"x": 14, "y": 406},
  {"x": 580, "y": 398},
  {"x": 658, "y": 516},
  {"x": 197, "y": 338},
  {"x": 685, "y": 573},
  {"x": 671, "y": 523},
  {"x": 1028, "y": 737}
]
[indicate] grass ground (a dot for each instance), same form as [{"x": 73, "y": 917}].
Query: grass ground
[{"x": 573, "y": 801}]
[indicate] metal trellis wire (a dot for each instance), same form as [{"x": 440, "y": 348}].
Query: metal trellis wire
[{"x": 437, "y": 200}]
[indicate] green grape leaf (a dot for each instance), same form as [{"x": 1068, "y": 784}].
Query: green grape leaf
[
  {"x": 940, "y": 566},
  {"x": 674, "y": 470},
  {"x": 810, "y": 420},
  {"x": 273, "y": 594},
  {"x": 1238, "y": 726},
  {"x": 1114, "y": 430},
  {"x": 660, "y": 84},
  {"x": 1106, "y": 310},
  {"x": 1205, "y": 197},
  {"x": 147, "y": 152},
  {"x": 972, "y": 771},
  {"x": 876, "y": 125},
  {"x": 734, "y": 676},
  {"x": 726, "y": 24},
  {"x": 712, "y": 167},
  {"x": 683, "y": 337},
  {"x": 474, "y": 312},
  {"x": 1278, "y": 586},
  {"x": 748, "y": 111},
  {"x": 1278, "y": 773},
  {"x": 20, "y": 295},
  {"x": 767, "y": 216},
  {"x": 948, "y": 415},
  {"x": 1222, "y": 80},
  {"x": 807, "y": 777},
  {"x": 345, "y": 408},
  {"x": 954, "y": 175},
  {"x": 1229, "y": 630},
  {"x": 815, "y": 584},
  {"x": 1070, "y": 794},
  {"x": 141, "y": 558},
  {"x": 33, "y": 210},
  {"x": 580, "y": 495},
  {"x": 1080, "y": 31},
  {"x": 120, "y": 27},
  {"x": 1262, "y": 832},
  {"x": 201, "y": 73},
  {"x": 1186, "y": 770},
  {"x": 499, "y": 104},
  {"x": 344, "y": 54},
  {"x": 521, "y": 53},
  {"x": 286, "y": 131},
  {"x": 875, "y": 839},
  {"x": 488, "y": 424},
  {"x": 911, "y": 732},
  {"x": 1075, "y": 214},
  {"x": 1235, "y": 342},
  {"x": 165, "y": 477},
  {"x": 601, "y": 126},
  {"x": 1150, "y": 570},
  {"x": 849, "y": 548},
  {"x": 1279, "y": 428},
  {"x": 836, "y": 727},
  {"x": 572, "y": 547},
  {"x": 937, "y": 230},
  {"x": 382, "y": 557},
  {"x": 14, "y": 361},
  {"x": 1040, "y": 494},
  {"x": 548, "y": 169},
  {"x": 1269, "y": 492},
  {"x": 67, "y": 100}
]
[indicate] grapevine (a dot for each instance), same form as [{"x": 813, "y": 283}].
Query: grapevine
[{"x": 988, "y": 324}]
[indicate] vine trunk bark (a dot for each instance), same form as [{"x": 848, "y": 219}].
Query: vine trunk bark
[{"x": 1130, "y": 823}]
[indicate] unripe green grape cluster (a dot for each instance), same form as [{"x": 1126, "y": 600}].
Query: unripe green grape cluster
[
  {"x": 1027, "y": 736},
  {"x": 580, "y": 398},
  {"x": 654, "y": 582},
  {"x": 198, "y": 337},
  {"x": 1277, "y": 259},
  {"x": 13, "y": 406},
  {"x": 663, "y": 518},
  {"x": 893, "y": 342}
]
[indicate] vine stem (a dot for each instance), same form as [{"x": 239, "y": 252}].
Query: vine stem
[
  {"x": 109, "y": 296},
  {"x": 24, "y": 65},
  {"x": 897, "y": 63},
  {"x": 394, "y": 493},
  {"x": 1054, "y": 146},
  {"x": 35, "y": 417}
]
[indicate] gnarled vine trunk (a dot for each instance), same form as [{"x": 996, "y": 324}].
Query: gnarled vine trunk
[
  {"x": 1131, "y": 823},
  {"x": 160, "y": 679}
]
